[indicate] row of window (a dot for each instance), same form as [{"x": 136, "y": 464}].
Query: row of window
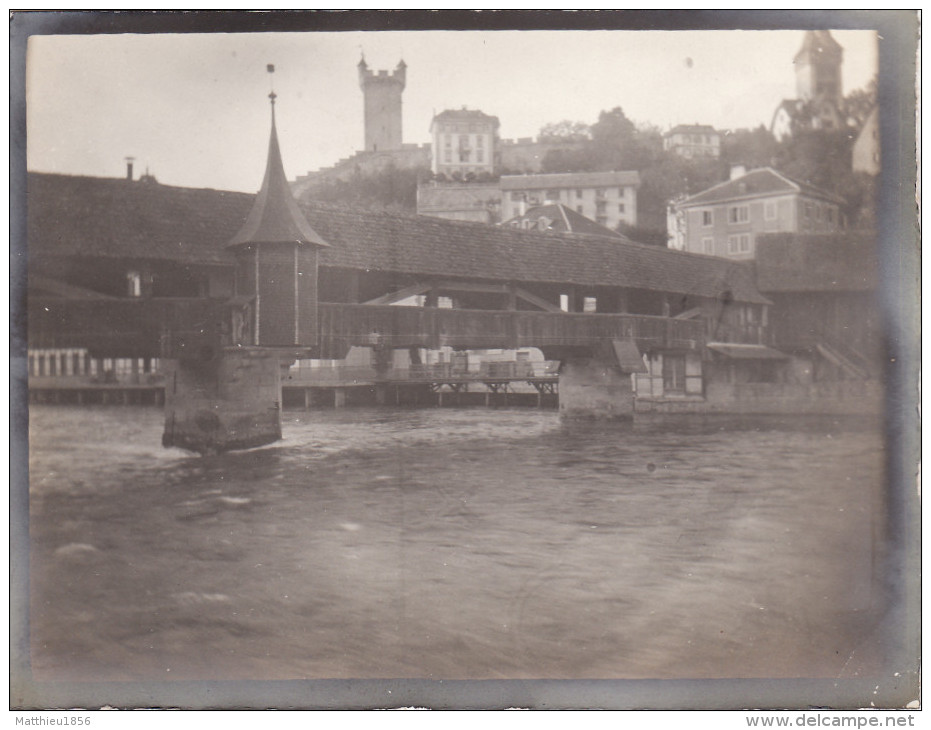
[
  {"x": 464, "y": 156},
  {"x": 738, "y": 243},
  {"x": 695, "y": 138},
  {"x": 557, "y": 193},
  {"x": 461, "y": 128},
  {"x": 464, "y": 140},
  {"x": 818, "y": 212},
  {"x": 741, "y": 213}
]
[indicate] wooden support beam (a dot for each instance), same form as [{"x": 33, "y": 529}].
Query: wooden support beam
[
  {"x": 397, "y": 296},
  {"x": 472, "y": 286},
  {"x": 689, "y": 313},
  {"x": 536, "y": 301}
]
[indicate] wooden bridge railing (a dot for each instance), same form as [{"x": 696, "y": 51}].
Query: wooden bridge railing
[
  {"x": 135, "y": 327},
  {"x": 343, "y": 325}
]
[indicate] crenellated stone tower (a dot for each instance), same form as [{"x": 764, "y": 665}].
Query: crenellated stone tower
[{"x": 382, "y": 92}]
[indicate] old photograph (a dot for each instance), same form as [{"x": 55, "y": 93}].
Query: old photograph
[{"x": 518, "y": 359}]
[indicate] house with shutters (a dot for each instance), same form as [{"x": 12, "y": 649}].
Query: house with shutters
[{"x": 726, "y": 219}]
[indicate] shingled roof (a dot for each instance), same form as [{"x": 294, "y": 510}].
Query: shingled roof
[
  {"x": 465, "y": 115},
  {"x": 757, "y": 183},
  {"x": 275, "y": 215},
  {"x": 691, "y": 129},
  {"x": 97, "y": 217},
  {"x": 562, "y": 219}
]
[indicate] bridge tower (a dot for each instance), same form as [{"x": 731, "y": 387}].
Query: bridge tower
[
  {"x": 382, "y": 97},
  {"x": 223, "y": 387}
]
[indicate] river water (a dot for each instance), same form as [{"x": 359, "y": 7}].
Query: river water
[{"x": 455, "y": 544}]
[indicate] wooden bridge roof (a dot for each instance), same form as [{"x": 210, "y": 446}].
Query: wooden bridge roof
[{"x": 71, "y": 216}]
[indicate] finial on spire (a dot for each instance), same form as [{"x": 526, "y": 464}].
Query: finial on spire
[{"x": 271, "y": 70}]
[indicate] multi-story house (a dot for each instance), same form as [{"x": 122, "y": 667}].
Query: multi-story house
[
  {"x": 608, "y": 198},
  {"x": 866, "y": 152},
  {"x": 464, "y": 142},
  {"x": 693, "y": 141},
  {"x": 725, "y": 219}
]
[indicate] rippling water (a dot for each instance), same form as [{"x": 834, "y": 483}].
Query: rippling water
[{"x": 455, "y": 543}]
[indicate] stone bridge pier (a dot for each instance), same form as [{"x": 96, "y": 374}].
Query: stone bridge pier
[
  {"x": 231, "y": 401},
  {"x": 596, "y": 382}
]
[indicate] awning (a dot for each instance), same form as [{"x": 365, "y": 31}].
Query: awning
[
  {"x": 628, "y": 356},
  {"x": 747, "y": 352}
]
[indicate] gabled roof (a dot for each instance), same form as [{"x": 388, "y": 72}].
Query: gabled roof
[
  {"x": 834, "y": 262},
  {"x": 465, "y": 115},
  {"x": 691, "y": 129},
  {"x": 562, "y": 219},
  {"x": 759, "y": 183},
  {"x": 275, "y": 216},
  {"x": 571, "y": 180},
  {"x": 93, "y": 217}
]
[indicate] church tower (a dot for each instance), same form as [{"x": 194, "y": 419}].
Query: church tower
[
  {"x": 382, "y": 94},
  {"x": 818, "y": 68}
]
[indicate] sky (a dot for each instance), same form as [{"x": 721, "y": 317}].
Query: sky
[{"x": 193, "y": 108}]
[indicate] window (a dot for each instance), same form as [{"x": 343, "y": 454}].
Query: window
[
  {"x": 552, "y": 195},
  {"x": 738, "y": 214},
  {"x": 600, "y": 206},
  {"x": 673, "y": 373},
  {"x": 621, "y": 208},
  {"x": 479, "y": 140},
  {"x": 517, "y": 195},
  {"x": 817, "y": 212},
  {"x": 808, "y": 210},
  {"x": 739, "y": 243},
  {"x": 707, "y": 245},
  {"x": 479, "y": 155},
  {"x": 830, "y": 215},
  {"x": 600, "y": 193},
  {"x": 578, "y": 193},
  {"x": 589, "y": 304},
  {"x": 620, "y": 192},
  {"x": 448, "y": 156},
  {"x": 601, "y": 220},
  {"x": 707, "y": 218},
  {"x": 770, "y": 210},
  {"x": 134, "y": 284},
  {"x": 447, "y": 140}
]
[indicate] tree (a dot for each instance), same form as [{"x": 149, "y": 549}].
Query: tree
[
  {"x": 749, "y": 147},
  {"x": 859, "y": 103},
  {"x": 392, "y": 188},
  {"x": 565, "y": 131}
]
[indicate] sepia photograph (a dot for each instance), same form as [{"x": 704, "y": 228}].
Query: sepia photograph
[{"x": 465, "y": 360}]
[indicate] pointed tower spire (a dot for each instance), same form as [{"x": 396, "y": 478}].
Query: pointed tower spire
[{"x": 275, "y": 215}]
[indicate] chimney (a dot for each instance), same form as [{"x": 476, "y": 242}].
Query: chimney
[
  {"x": 129, "y": 168},
  {"x": 738, "y": 171}
]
